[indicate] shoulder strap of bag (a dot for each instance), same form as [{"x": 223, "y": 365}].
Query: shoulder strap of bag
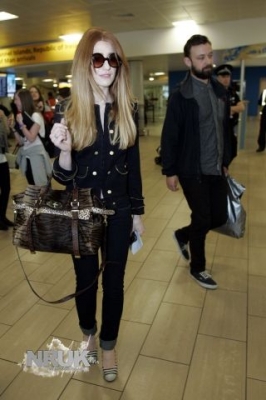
[
  {"x": 74, "y": 224},
  {"x": 72, "y": 295}
]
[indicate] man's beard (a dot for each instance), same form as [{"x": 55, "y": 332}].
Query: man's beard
[{"x": 205, "y": 73}]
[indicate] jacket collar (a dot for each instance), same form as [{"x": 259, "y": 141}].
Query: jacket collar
[{"x": 186, "y": 87}]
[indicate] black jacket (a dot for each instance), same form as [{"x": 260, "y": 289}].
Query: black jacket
[
  {"x": 107, "y": 169},
  {"x": 180, "y": 143}
]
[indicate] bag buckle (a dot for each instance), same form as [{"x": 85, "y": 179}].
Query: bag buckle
[{"x": 75, "y": 204}]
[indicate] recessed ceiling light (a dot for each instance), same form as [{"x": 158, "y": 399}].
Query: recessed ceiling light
[
  {"x": 185, "y": 23},
  {"x": 72, "y": 38},
  {"x": 4, "y": 16}
]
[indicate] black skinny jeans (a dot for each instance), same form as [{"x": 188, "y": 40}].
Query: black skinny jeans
[
  {"x": 118, "y": 237},
  {"x": 207, "y": 199},
  {"x": 4, "y": 188}
]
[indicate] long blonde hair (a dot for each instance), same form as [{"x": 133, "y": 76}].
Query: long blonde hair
[{"x": 80, "y": 114}]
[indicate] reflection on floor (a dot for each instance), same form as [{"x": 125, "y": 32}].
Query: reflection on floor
[{"x": 177, "y": 340}]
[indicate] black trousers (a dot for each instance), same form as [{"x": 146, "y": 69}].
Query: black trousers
[
  {"x": 233, "y": 140},
  {"x": 262, "y": 131},
  {"x": 262, "y": 139},
  {"x": 207, "y": 199},
  {"x": 4, "y": 187},
  {"x": 86, "y": 268}
]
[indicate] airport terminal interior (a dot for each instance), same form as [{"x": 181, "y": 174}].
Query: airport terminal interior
[{"x": 177, "y": 340}]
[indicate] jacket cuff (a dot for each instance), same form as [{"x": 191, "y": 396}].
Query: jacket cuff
[
  {"x": 63, "y": 174},
  {"x": 137, "y": 206}
]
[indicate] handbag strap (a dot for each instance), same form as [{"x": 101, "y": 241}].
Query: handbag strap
[
  {"x": 72, "y": 295},
  {"x": 74, "y": 224}
]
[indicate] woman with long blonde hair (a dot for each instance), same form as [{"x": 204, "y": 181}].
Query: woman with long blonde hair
[{"x": 99, "y": 147}]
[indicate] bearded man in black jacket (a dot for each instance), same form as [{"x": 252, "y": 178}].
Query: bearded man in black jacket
[{"x": 195, "y": 151}]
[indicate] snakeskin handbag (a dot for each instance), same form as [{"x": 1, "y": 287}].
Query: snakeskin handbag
[{"x": 59, "y": 221}]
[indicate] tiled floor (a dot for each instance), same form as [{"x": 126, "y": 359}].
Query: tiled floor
[{"x": 177, "y": 341}]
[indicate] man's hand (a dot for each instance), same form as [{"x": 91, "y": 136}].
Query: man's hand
[
  {"x": 172, "y": 183},
  {"x": 225, "y": 171}
]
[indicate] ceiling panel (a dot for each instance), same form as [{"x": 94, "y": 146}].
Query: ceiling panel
[{"x": 45, "y": 20}]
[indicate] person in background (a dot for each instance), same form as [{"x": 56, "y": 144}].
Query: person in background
[
  {"x": 63, "y": 93},
  {"x": 8, "y": 114},
  {"x": 32, "y": 158},
  {"x": 41, "y": 106},
  {"x": 99, "y": 147},
  {"x": 51, "y": 101},
  {"x": 6, "y": 111},
  {"x": 5, "y": 223},
  {"x": 262, "y": 131},
  {"x": 224, "y": 76},
  {"x": 37, "y": 98},
  {"x": 62, "y": 99},
  {"x": 195, "y": 153}
]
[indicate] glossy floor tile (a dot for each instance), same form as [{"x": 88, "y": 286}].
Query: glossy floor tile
[{"x": 177, "y": 340}]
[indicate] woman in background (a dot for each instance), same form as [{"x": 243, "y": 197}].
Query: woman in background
[
  {"x": 37, "y": 98},
  {"x": 99, "y": 147},
  {"x": 4, "y": 173},
  {"x": 32, "y": 158},
  {"x": 41, "y": 105}
]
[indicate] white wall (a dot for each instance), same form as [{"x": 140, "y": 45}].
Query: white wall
[{"x": 224, "y": 35}]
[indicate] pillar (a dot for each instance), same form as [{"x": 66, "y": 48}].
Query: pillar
[
  {"x": 136, "y": 78},
  {"x": 243, "y": 116}
]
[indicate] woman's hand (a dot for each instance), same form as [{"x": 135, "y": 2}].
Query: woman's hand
[
  {"x": 172, "y": 183},
  {"x": 11, "y": 121},
  {"x": 19, "y": 119},
  {"x": 138, "y": 224},
  {"x": 60, "y": 136}
]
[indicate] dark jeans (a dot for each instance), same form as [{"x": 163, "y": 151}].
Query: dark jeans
[
  {"x": 86, "y": 268},
  {"x": 28, "y": 174},
  {"x": 4, "y": 188},
  {"x": 207, "y": 199}
]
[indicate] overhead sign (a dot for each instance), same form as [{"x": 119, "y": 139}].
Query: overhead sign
[
  {"x": 244, "y": 52},
  {"x": 37, "y": 54}
]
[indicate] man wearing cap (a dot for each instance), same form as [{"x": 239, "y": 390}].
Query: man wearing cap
[{"x": 224, "y": 75}]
